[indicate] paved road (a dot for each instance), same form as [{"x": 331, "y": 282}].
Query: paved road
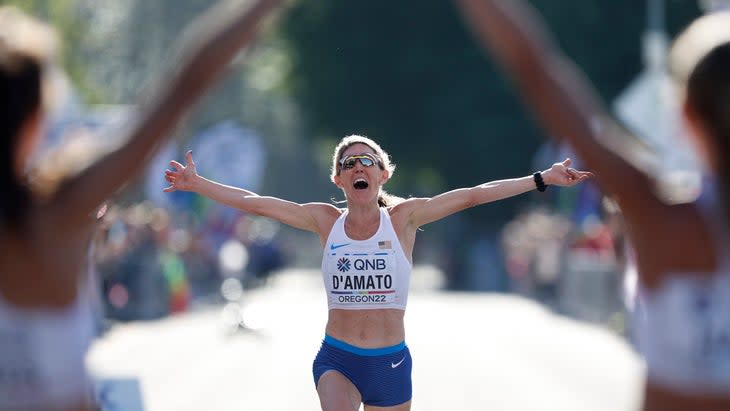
[{"x": 471, "y": 352}]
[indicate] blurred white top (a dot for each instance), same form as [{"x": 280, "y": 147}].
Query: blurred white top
[
  {"x": 42, "y": 355},
  {"x": 683, "y": 327}
]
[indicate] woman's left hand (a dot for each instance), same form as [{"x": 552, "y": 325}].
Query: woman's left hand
[{"x": 561, "y": 174}]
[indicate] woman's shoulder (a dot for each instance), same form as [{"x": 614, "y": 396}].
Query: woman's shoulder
[
  {"x": 401, "y": 212},
  {"x": 406, "y": 204},
  {"x": 322, "y": 207},
  {"x": 324, "y": 213}
]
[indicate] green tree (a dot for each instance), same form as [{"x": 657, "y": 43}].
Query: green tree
[
  {"x": 409, "y": 75},
  {"x": 73, "y": 28}
]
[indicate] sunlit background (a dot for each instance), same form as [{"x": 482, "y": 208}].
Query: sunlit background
[{"x": 405, "y": 73}]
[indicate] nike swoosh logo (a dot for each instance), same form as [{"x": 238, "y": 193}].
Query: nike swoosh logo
[
  {"x": 336, "y": 246},
  {"x": 394, "y": 365}
]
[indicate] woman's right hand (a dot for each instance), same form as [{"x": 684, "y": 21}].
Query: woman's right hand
[{"x": 183, "y": 175}]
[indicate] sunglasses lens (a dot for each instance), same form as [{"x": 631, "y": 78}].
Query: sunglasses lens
[{"x": 350, "y": 162}]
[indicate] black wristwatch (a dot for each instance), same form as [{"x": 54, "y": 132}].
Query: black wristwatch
[{"x": 539, "y": 182}]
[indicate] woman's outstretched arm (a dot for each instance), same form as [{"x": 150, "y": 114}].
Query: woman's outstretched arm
[
  {"x": 208, "y": 45},
  {"x": 427, "y": 210},
  {"x": 308, "y": 216}
]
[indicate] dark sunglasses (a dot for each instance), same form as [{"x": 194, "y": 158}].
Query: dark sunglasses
[{"x": 366, "y": 160}]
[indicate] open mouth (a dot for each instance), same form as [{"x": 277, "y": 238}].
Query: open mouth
[{"x": 360, "y": 184}]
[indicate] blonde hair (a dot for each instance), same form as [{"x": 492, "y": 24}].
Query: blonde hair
[
  {"x": 700, "y": 63},
  {"x": 24, "y": 38},
  {"x": 384, "y": 199},
  {"x": 27, "y": 47},
  {"x": 696, "y": 41},
  {"x": 23, "y": 35}
]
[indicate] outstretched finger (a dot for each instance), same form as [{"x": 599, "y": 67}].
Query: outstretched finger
[
  {"x": 189, "y": 158},
  {"x": 177, "y": 165},
  {"x": 169, "y": 189},
  {"x": 577, "y": 173},
  {"x": 567, "y": 162},
  {"x": 581, "y": 176}
]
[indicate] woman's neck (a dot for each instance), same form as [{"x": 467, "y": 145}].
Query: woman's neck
[
  {"x": 363, "y": 213},
  {"x": 362, "y": 223}
]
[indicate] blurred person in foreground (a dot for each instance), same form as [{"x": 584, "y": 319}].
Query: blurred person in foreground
[
  {"x": 46, "y": 320},
  {"x": 682, "y": 250},
  {"x": 366, "y": 263}
]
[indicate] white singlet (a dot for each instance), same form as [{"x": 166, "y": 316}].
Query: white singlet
[
  {"x": 42, "y": 356},
  {"x": 365, "y": 274},
  {"x": 682, "y": 328}
]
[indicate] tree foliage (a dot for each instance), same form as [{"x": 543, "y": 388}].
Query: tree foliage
[
  {"x": 409, "y": 74},
  {"x": 73, "y": 28}
]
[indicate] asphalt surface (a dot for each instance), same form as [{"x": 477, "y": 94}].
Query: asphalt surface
[{"x": 471, "y": 351}]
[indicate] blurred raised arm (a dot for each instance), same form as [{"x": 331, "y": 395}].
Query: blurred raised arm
[
  {"x": 207, "y": 46},
  {"x": 561, "y": 98}
]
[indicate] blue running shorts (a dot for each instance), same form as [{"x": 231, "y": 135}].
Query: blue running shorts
[{"x": 382, "y": 375}]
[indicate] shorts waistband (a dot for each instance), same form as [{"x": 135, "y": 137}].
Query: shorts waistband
[{"x": 369, "y": 352}]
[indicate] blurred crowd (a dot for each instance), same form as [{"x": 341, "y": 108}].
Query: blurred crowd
[
  {"x": 577, "y": 268},
  {"x": 150, "y": 265}
]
